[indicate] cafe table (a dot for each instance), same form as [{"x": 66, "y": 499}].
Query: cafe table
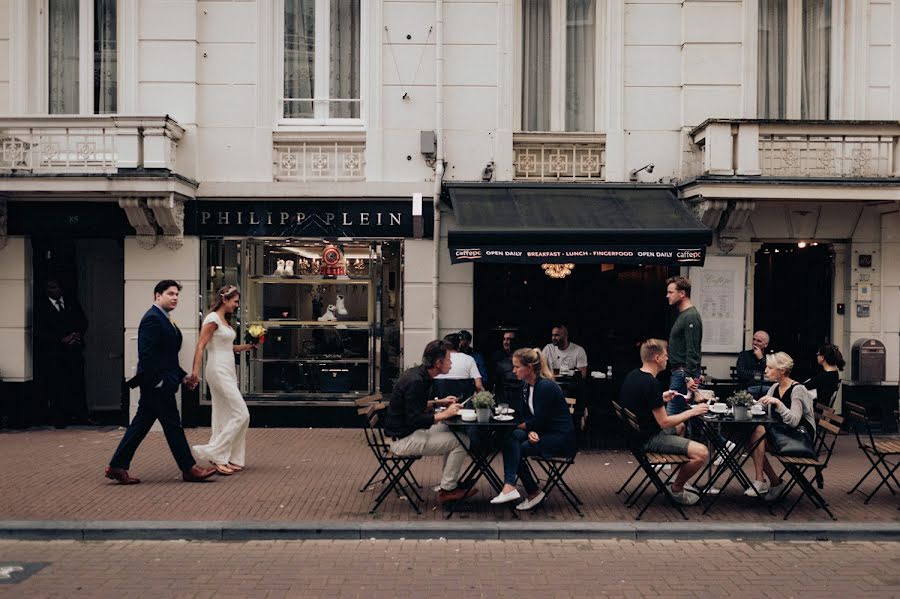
[
  {"x": 492, "y": 434},
  {"x": 721, "y": 427}
]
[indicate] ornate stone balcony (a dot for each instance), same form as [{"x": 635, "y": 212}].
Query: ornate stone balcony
[
  {"x": 314, "y": 157},
  {"x": 35, "y": 145},
  {"x": 797, "y": 149},
  {"x": 559, "y": 157}
]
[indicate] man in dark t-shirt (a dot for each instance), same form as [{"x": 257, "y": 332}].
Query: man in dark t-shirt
[{"x": 642, "y": 394}]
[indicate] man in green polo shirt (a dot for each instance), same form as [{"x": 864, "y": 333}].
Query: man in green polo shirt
[{"x": 685, "y": 339}]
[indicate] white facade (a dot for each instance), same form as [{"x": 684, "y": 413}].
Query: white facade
[{"x": 662, "y": 68}]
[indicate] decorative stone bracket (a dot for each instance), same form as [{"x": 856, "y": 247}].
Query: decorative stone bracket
[
  {"x": 725, "y": 217},
  {"x": 150, "y": 215}
]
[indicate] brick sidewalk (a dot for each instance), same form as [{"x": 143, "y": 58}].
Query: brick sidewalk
[{"x": 309, "y": 475}]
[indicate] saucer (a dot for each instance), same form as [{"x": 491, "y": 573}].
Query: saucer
[{"x": 502, "y": 417}]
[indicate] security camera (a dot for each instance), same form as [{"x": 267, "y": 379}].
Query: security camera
[{"x": 633, "y": 174}]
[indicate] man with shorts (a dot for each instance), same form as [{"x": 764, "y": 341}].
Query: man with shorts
[{"x": 663, "y": 433}]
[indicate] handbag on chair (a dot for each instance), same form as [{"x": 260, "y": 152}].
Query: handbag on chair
[{"x": 788, "y": 441}]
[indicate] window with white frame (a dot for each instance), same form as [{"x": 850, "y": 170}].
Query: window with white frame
[
  {"x": 321, "y": 61},
  {"x": 81, "y": 57},
  {"x": 559, "y": 58},
  {"x": 794, "y": 45}
]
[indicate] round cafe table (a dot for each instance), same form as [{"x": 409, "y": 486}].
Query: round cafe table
[{"x": 739, "y": 432}]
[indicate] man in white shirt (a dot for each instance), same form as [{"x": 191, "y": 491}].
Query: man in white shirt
[
  {"x": 463, "y": 366},
  {"x": 564, "y": 356}
]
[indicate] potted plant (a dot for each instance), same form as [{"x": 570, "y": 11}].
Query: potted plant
[
  {"x": 483, "y": 402},
  {"x": 740, "y": 401}
]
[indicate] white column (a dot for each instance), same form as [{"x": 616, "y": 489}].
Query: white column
[
  {"x": 16, "y": 284},
  {"x": 145, "y": 268},
  {"x": 719, "y": 150},
  {"x": 748, "y": 149}
]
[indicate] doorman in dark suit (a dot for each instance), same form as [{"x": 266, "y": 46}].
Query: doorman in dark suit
[
  {"x": 159, "y": 376},
  {"x": 59, "y": 330}
]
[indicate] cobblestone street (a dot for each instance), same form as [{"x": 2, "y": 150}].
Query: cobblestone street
[{"x": 441, "y": 568}]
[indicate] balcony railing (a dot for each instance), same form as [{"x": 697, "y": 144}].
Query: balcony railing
[
  {"x": 319, "y": 157},
  {"x": 799, "y": 149},
  {"x": 546, "y": 157},
  {"x": 85, "y": 145}
]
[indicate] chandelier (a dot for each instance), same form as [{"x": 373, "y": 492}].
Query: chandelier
[{"x": 557, "y": 271}]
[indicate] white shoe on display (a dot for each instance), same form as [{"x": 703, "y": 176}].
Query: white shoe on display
[
  {"x": 289, "y": 268},
  {"x": 329, "y": 314},
  {"x": 339, "y": 304},
  {"x": 279, "y": 270}
]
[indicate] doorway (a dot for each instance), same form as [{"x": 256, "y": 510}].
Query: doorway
[
  {"x": 608, "y": 309},
  {"x": 92, "y": 271},
  {"x": 792, "y": 300}
]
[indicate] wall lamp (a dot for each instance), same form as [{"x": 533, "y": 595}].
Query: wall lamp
[{"x": 633, "y": 174}]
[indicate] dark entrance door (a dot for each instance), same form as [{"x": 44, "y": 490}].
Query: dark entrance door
[
  {"x": 608, "y": 309},
  {"x": 92, "y": 272},
  {"x": 792, "y": 300}
]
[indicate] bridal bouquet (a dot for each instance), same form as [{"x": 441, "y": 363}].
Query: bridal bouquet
[{"x": 256, "y": 333}]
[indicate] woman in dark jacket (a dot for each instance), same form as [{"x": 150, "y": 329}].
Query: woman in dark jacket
[
  {"x": 546, "y": 431},
  {"x": 823, "y": 387}
]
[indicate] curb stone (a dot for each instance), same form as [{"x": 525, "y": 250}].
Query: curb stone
[{"x": 242, "y": 531}]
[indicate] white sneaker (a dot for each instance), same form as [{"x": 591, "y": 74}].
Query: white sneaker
[
  {"x": 709, "y": 491},
  {"x": 506, "y": 497},
  {"x": 530, "y": 503},
  {"x": 776, "y": 491},
  {"x": 661, "y": 467},
  {"x": 685, "y": 497},
  {"x": 279, "y": 268},
  {"x": 760, "y": 487},
  {"x": 720, "y": 457}
]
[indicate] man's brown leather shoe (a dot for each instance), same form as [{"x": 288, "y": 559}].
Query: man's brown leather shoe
[
  {"x": 121, "y": 476},
  {"x": 197, "y": 474},
  {"x": 457, "y": 494}
]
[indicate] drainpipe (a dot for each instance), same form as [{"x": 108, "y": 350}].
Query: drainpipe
[{"x": 439, "y": 162}]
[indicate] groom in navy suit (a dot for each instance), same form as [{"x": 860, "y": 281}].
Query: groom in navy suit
[{"x": 159, "y": 376}]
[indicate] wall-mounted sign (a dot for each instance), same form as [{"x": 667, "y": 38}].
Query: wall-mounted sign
[
  {"x": 582, "y": 254},
  {"x": 297, "y": 218}
]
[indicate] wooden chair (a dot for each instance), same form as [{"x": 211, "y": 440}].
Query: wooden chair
[
  {"x": 882, "y": 453},
  {"x": 827, "y": 432},
  {"x": 555, "y": 469}
]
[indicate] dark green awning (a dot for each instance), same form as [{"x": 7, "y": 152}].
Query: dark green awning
[{"x": 540, "y": 223}]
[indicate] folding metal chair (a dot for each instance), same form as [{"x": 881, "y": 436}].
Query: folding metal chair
[
  {"x": 827, "y": 432},
  {"x": 648, "y": 463},
  {"x": 555, "y": 469},
  {"x": 882, "y": 453},
  {"x": 398, "y": 478},
  {"x": 637, "y": 469}
]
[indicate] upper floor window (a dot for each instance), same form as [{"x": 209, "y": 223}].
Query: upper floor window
[
  {"x": 794, "y": 78},
  {"x": 81, "y": 56},
  {"x": 321, "y": 75},
  {"x": 559, "y": 49}
]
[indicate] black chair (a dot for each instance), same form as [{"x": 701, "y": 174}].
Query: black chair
[
  {"x": 366, "y": 407},
  {"x": 826, "y": 436},
  {"x": 398, "y": 477},
  {"x": 882, "y": 453},
  {"x": 650, "y": 463},
  {"x": 555, "y": 469}
]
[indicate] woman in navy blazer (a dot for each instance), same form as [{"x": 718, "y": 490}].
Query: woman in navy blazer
[{"x": 546, "y": 431}]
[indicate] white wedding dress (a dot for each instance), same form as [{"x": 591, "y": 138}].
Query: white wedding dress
[{"x": 230, "y": 417}]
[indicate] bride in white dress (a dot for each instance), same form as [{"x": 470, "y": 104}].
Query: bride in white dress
[{"x": 230, "y": 417}]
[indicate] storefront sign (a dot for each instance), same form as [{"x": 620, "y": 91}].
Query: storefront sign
[
  {"x": 338, "y": 218},
  {"x": 68, "y": 219},
  {"x": 682, "y": 256}
]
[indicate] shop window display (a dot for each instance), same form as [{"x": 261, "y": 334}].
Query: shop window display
[{"x": 331, "y": 312}]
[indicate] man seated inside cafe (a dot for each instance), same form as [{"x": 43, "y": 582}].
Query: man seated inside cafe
[
  {"x": 751, "y": 366},
  {"x": 642, "y": 394},
  {"x": 414, "y": 428},
  {"x": 463, "y": 378},
  {"x": 563, "y": 356}
]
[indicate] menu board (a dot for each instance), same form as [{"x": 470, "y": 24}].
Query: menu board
[{"x": 717, "y": 290}]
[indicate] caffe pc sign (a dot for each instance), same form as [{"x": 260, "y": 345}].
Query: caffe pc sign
[{"x": 651, "y": 254}]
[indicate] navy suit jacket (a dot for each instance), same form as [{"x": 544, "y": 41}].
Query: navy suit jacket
[
  {"x": 159, "y": 342},
  {"x": 550, "y": 419}
]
